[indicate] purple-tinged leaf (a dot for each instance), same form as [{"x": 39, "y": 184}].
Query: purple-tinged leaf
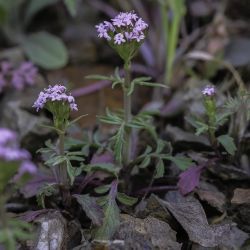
[
  {"x": 106, "y": 157},
  {"x": 189, "y": 179},
  {"x": 93, "y": 87},
  {"x": 32, "y": 187},
  {"x": 111, "y": 219},
  {"x": 91, "y": 208},
  {"x": 30, "y": 216}
]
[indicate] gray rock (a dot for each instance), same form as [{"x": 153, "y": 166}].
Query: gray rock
[
  {"x": 148, "y": 233},
  {"x": 52, "y": 234}
]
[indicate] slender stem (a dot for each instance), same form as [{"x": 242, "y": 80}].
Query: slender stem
[
  {"x": 62, "y": 168},
  {"x": 127, "y": 114}
]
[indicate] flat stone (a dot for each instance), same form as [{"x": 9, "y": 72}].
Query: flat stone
[
  {"x": 241, "y": 196},
  {"x": 148, "y": 233}
]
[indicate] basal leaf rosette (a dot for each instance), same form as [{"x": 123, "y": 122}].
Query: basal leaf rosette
[
  {"x": 125, "y": 33},
  {"x": 57, "y": 101}
]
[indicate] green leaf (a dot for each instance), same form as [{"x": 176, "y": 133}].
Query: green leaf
[
  {"x": 73, "y": 171},
  {"x": 119, "y": 141},
  {"x": 228, "y": 143},
  {"x": 152, "y": 84},
  {"x": 45, "y": 191},
  {"x": 34, "y": 7},
  {"x": 222, "y": 118},
  {"x": 91, "y": 208},
  {"x": 7, "y": 171},
  {"x": 181, "y": 162},
  {"x": 131, "y": 89},
  {"x": 71, "y": 6},
  {"x": 160, "y": 146},
  {"x": 105, "y": 167},
  {"x": 76, "y": 158},
  {"x": 58, "y": 160},
  {"x": 202, "y": 127},
  {"x": 147, "y": 150},
  {"x": 111, "y": 118},
  {"x": 52, "y": 161},
  {"x": 126, "y": 200},
  {"x": 111, "y": 219},
  {"x": 45, "y": 50},
  {"x": 51, "y": 127},
  {"x": 160, "y": 169},
  {"x": 99, "y": 77},
  {"x": 76, "y": 120},
  {"x": 102, "y": 189},
  {"x": 145, "y": 162}
]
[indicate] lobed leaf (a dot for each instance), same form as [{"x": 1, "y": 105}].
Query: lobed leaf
[
  {"x": 160, "y": 169},
  {"x": 228, "y": 143},
  {"x": 111, "y": 219}
]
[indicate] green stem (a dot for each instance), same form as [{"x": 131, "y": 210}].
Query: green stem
[
  {"x": 63, "y": 174},
  {"x": 210, "y": 106},
  {"x": 62, "y": 168},
  {"x": 127, "y": 115}
]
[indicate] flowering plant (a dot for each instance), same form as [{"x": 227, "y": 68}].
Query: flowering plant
[
  {"x": 125, "y": 33},
  {"x": 213, "y": 121},
  {"x": 60, "y": 103}
]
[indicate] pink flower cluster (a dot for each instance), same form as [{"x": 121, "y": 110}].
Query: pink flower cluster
[
  {"x": 56, "y": 93},
  {"x": 208, "y": 91},
  {"x": 125, "y": 27},
  {"x": 19, "y": 77}
]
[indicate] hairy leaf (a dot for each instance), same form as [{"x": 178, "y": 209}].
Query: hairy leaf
[
  {"x": 105, "y": 167},
  {"x": 111, "y": 219},
  {"x": 102, "y": 189},
  {"x": 72, "y": 171},
  {"x": 145, "y": 162},
  {"x": 118, "y": 140},
  {"x": 182, "y": 162},
  {"x": 160, "y": 169},
  {"x": 126, "y": 200},
  {"x": 228, "y": 143}
]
